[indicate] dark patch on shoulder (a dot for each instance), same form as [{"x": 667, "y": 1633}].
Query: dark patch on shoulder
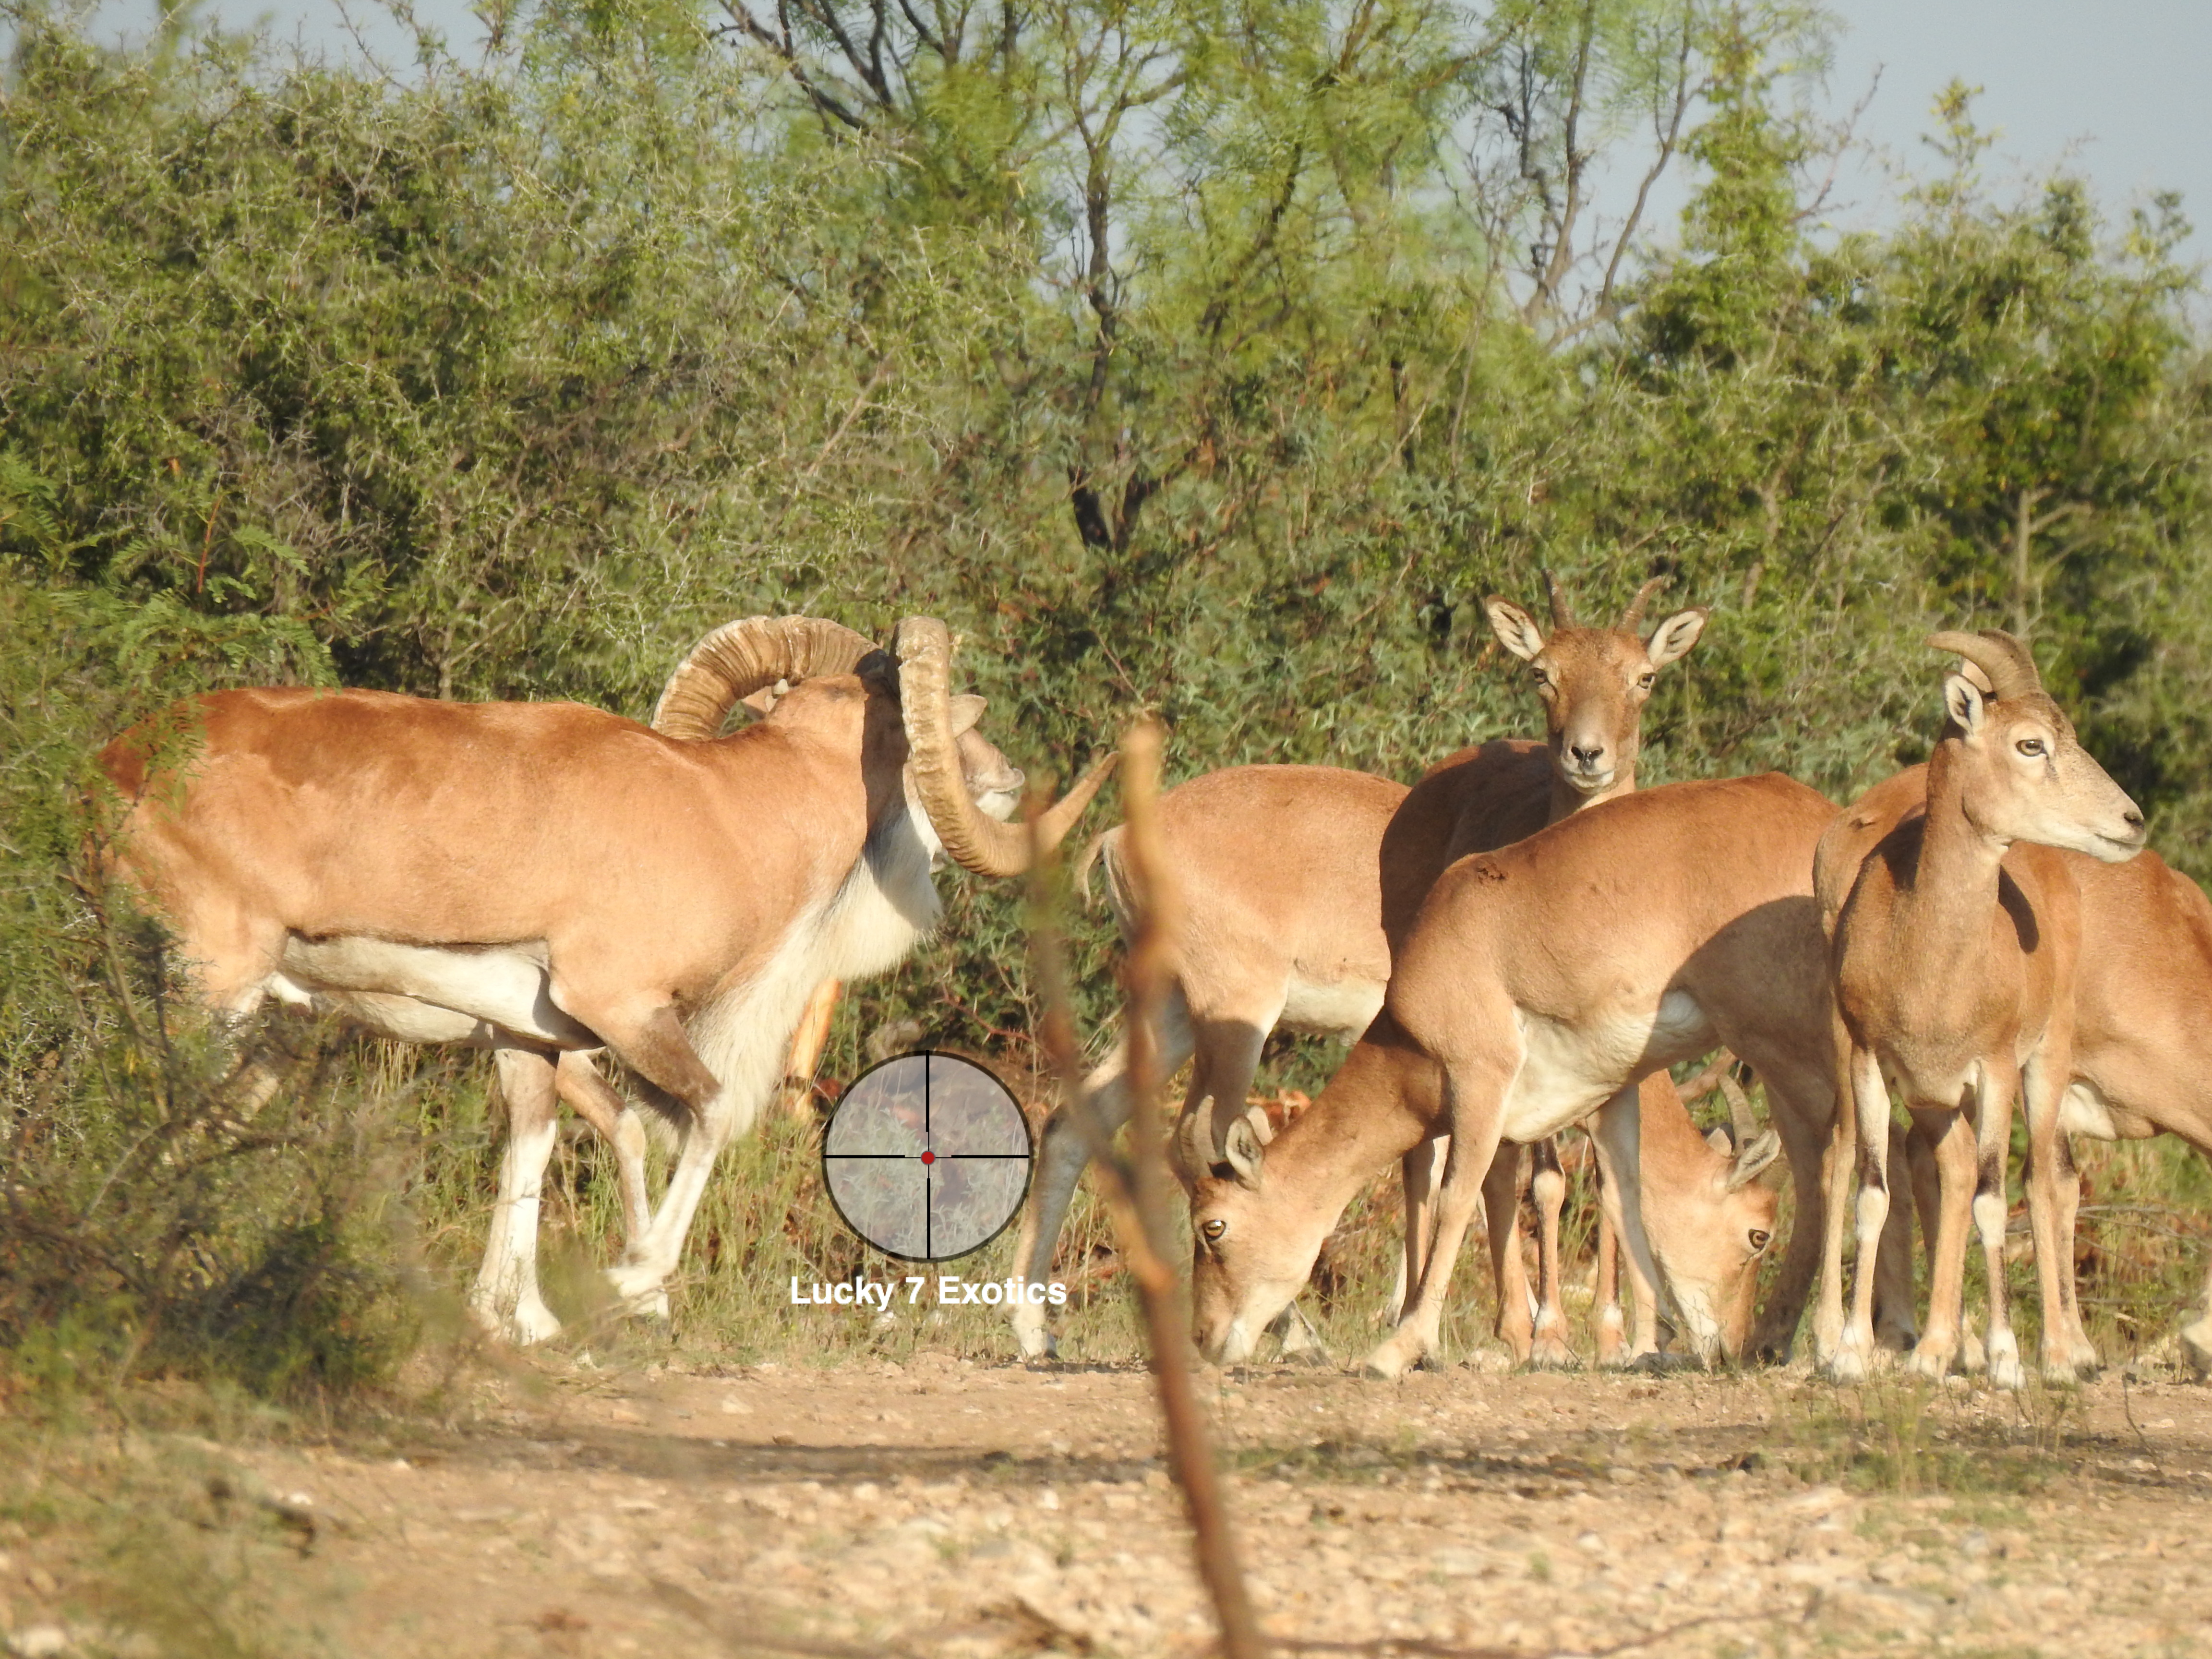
[
  {"x": 2015, "y": 904},
  {"x": 1482, "y": 867}
]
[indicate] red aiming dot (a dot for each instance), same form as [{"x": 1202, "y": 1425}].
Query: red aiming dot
[{"x": 929, "y": 1157}]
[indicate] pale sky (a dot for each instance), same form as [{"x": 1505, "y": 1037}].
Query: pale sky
[{"x": 2115, "y": 88}]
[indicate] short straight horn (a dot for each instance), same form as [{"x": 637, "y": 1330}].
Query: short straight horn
[
  {"x": 1563, "y": 614},
  {"x": 1633, "y": 616},
  {"x": 1195, "y": 1139},
  {"x": 1741, "y": 1118}
]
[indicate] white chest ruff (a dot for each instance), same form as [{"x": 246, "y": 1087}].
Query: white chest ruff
[{"x": 1569, "y": 1071}]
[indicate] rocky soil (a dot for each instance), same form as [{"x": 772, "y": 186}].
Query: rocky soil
[{"x": 946, "y": 1508}]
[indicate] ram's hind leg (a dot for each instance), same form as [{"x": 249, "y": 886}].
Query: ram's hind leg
[
  {"x": 655, "y": 1046},
  {"x": 1617, "y": 1133},
  {"x": 1998, "y": 1086},
  {"x": 2054, "y": 1196},
  {"x": 1547, "y": 1190},
  {"x": 1509, "y": 1273},
  {"x": 1864, "y": 1151},
  {"x": 505, "y": 1298},
  {"x": 2067, "y": 1180},
  {"x": 1952, "y": 1137},
  {"x": 594, "y": 1100}
]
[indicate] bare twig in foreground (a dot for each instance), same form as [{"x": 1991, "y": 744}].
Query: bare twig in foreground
[{"x": 1136, "y": 1185}]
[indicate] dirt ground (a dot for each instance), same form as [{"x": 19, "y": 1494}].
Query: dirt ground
[{"x": 948, "y": 1508}]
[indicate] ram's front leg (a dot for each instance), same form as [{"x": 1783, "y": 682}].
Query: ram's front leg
[{"x": 1474, "y": 1095}]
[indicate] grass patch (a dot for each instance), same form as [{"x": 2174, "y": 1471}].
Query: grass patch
[{"x": 1903, "y": 1435}]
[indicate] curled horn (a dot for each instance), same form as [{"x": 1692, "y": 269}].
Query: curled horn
[
  {"x": 1740, "y": 1119},
  {"x": 1633, "y": 618},
  {"x": 924, "y": 647},
  {"x": 740, "y": 658},
  {"x": 1563, "y": 614},
  {"x": 2003, "y": 659}
]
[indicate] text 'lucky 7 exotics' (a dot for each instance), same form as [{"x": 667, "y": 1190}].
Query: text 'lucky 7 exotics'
[{"x": 944, "y": 1291}]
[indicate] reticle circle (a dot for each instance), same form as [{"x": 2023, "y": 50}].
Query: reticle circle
[{"x": 927, "y": 1157}]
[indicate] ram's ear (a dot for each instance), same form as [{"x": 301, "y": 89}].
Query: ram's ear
[
  {"x": 1964, "y": 701},
  {"x": 966, "y": 709},
  {"x": 762, "y": 701},
  {"x": 1673, "y": 638},
  {"x": 1516, "y": 628},
  {"x": 1241, "y": 1149},
  {"x": 1761, "y": 1149}
]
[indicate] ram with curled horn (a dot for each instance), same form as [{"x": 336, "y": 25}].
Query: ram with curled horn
[{"x": 547, "y": 880}]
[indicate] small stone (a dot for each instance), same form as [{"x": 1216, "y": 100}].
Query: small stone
[
  {"x": 39, "y": 1642},
  {"x": 1047, "y": 1500},
  {"x": 733, "y": 1406},
  {"x": 1975, "y": 1543},
  {"x": 1877, "y": 1606}
]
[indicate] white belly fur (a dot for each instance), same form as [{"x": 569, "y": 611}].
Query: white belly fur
[
  {"x": 1344, "y": 1009},
  {"x": 456, "y": 988},
  {"x": 2082, "y": 1111},
  {"x": 1568, "y": 1071}
]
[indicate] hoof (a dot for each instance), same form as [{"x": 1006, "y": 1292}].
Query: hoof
[
  {"x": 643, "y": 1294},
  {"x": 1932, "y": 1363},
  {"x": 1548, "y": 1353},
  {"x": 2061, "y": 1373},
  {"x": 529, "y": 1326},
  {"x": 1847, "y": 1365},
  {"x": 1391, "y": 1361}
]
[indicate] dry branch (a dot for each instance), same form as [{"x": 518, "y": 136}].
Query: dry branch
[{"x": 1136, "y": 1183}]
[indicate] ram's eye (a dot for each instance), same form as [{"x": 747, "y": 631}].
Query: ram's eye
[
  {"x": 2030, "y": 747},
  {"x": 1214, "y": 1230},
  {"x": 1542, "y": 676},
  {"x": 1643, "y": 681},
  {"x": 1759, "y": 1239}
]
